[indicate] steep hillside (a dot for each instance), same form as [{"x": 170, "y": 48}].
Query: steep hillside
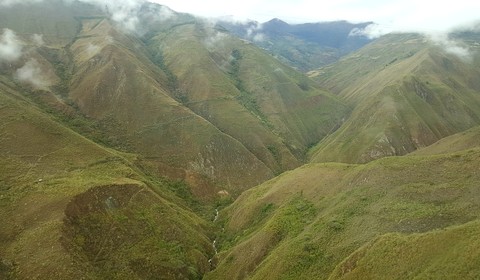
[
  {"x": 128, "y": 95},
  {"x": 246, "y": 94},
  {"x": 406, "y": 94},
  {"x": 197, "y": 103},
  {"x": 71, "y": 208},
  {"x": 437, "y": 254},
  {"x": 95, "y": 112},
  {"x": 458, "y": 142},
  {"x": 310, "y": 222},
  {"x": 141, "y": 143},
  {"x": 55, "y": 22},
  {"x": 303, "y": 46}
]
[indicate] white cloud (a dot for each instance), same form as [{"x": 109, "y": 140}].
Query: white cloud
[
  {"x": 92, "y": 49},
  {"x": 15, "y": 2},
  {"x": 454, "y": 48},
  {"x": 215, "y": 41},
  {"x": 31, "y": 73},
  {"x": 259, "y": 37},
  {"x": 10, "y": 46},
  {"x": 254, "y": 28},
  {"x": 37, "y": 39},
  {"x": 425, "y": 17},
  {"x": 126, "y": 12},
  {"x": 451, "y": 46},
  {"x": 123, "y": 12},
  {"x": 440, "y": 39},
  {"x": 392, "y": 15},
  {"x": 165, "y": 13}
]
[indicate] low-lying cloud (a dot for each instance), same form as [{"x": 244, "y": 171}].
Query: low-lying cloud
[
  {"x": 451, "y": 46},
  {"x": 165, "y": 13},
  {"x": 10, "y": 46},
  {"x": 253, "y": 29},
  {"x": 214, "y": 40},
  {"x": 37, "y": 40},
  {"x": 123, "y": 12},
  {"x": 254, "y": 32},
  {"x": 15, "y": 2},
  {"x": 372, "y": 31},
  {"x": 92, "y": 49},
  {"x": 439, "y": 38},
  {"x": 390, "y": 16},
  {"x": 158, "y": 13},
  {"x": 31, "y": 73},
  {"x": 126, "y": 12}
]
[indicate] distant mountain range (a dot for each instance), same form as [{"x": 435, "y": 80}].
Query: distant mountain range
[{"x": 303, "y": 46}]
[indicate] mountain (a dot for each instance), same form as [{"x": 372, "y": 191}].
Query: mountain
[
  {"x": 191, "y": 99},
  {"x": 457, "y": 142},
  {"x": 412, "y": 215},
  {"x": 120, "y": 137},
  {"x": 406, "y": 93},
  {"x": 141, "y": 143},
  {"x": 304, "y": 46},
  {"x": 406, "y": 216},
  {"x": 431, "y": 261},
  {"x": 72, "y": 208},
  {"x": 247, "y": 94}
]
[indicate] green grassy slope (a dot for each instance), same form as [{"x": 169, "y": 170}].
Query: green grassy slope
[
  {"x": 197, "y": 103},
  {"x": 458, "y": 142},
  {"x": 210, "y": 93},
  {"x": 82, "y": 160},
  {"x": 71, "y": 208},
  {"x": 55, "y": 21},
  {"x": 273, "y": 110},
  {"x": 451, "y": 253},
  {"x": 128, "y": 95},
  {"x": 351, "y": 72},
  {"x": 422, "y": 95},
  {"x": 304, "y": 223}
]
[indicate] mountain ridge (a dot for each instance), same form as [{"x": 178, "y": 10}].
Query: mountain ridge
[
  {"x": 303, "y": 46},
  {"x": 417, "y": 97},
  {"x": 161, "y": 145}
]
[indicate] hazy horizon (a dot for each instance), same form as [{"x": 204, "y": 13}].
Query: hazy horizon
[{"x": 392, "y": 16}]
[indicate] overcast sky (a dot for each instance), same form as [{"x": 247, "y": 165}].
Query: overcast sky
[{"x": 404, "y": 15}]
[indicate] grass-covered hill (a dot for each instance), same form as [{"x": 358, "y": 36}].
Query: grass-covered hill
[
  {"x": 468, "y": 139},
  {"x": 375, "y": 216},
  {"x": 274, "y": 111},
  {"x": 115, "y": 142},
  {"x": 122, "y": 136},
  {"x": 195, "y": 102},
  {"x": 406, "y": 93},
  {"x": 402, "y": 217},
  {"x": 71, "y": 208},
  {"x": 421, "y": 256}
]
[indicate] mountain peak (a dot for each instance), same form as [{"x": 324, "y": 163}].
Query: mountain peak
[{"x": 276, "y": 22}]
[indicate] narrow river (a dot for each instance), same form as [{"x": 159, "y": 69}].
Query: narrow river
[{"x": 214, "y": 243}]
